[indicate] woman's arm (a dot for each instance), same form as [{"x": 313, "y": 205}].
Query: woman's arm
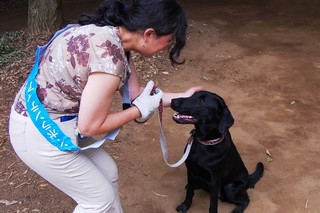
[
  {"x": 96, "y": 100},
  {"x": 135, "y": 88}
]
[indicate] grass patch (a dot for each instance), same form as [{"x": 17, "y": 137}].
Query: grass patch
[{"x": 9, "y": 50}]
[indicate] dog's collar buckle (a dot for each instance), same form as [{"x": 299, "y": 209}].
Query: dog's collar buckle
[{"x": 212, "y": 142}]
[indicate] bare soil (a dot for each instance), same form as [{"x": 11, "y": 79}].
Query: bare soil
[{"x": 263, "y": 57}]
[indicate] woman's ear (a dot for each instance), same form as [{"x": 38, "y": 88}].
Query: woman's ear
[{"x": 148, "y": 35}]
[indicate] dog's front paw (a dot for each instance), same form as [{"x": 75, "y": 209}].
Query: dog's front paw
[{"x": 182, "y": 208}]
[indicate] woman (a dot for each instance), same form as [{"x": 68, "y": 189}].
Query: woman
[{"x": 68, "y": 96}]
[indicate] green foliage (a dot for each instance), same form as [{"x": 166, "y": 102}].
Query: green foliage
[{"x": 8, "y": 48}]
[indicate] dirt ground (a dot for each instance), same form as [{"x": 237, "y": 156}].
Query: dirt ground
[{"x": 263, "y": 57}]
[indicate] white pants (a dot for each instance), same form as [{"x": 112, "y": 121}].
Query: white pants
[{"x": 89, "y": 177}]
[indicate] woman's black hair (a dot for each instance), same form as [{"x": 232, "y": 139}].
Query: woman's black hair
[{"x": 164, "y": 16}]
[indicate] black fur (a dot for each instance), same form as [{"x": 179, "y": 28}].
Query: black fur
[{"x": 218, "y": 168}]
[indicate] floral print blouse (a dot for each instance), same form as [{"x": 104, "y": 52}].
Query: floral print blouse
[{"x": 67, "y": 63}]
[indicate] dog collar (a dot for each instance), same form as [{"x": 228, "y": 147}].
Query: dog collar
[
  {"x": 208, "y": 142},
  {"x": 212, "y": 142}
]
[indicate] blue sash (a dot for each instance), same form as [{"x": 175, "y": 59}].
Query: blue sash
[{"x": 40, "y": 117}]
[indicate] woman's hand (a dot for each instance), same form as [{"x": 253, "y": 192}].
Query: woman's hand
[
  {"x": 167, "y": 97},
  {"x": 146, "y": 102},
  {"x": 192, "y": 90}
]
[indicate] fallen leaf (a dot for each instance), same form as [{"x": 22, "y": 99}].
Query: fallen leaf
[
  {"x": 306, "y": 204},
  {"x": 43, "y": 185},
  {"x": 269, "y": 156},
  {"x": 8, "y": 203},
  {"x": 160, "y": 195}
]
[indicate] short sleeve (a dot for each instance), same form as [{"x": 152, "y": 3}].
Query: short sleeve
[{"x": 106, "y": 54}]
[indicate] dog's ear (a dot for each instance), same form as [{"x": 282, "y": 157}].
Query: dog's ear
[{"x": 226, "y": 120}]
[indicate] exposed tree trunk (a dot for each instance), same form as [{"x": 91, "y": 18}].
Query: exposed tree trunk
[{"x": 44, "y": 15}]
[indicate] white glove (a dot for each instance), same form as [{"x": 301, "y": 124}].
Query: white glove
[{"x": 147, "y": 103}]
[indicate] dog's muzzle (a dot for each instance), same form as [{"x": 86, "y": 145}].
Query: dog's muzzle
[{"x": 183, "y": 119}]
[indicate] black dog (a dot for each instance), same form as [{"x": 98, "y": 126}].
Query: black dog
[{"x": 214, "y": 163}]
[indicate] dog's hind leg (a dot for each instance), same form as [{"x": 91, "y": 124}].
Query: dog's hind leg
[
  {"x": 236, "y": 193},
  {"x": 240, "y": 208},
  {"x": 185, "y": 205},
  {"x": 240, "y": 196},
  {"x": 242, "y": 201}
]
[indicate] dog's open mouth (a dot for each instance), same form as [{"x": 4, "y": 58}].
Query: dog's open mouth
[{"x": 183, "y": 119}]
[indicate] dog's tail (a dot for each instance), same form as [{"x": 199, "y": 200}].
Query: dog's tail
[{"x": 255, "y": 177}]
